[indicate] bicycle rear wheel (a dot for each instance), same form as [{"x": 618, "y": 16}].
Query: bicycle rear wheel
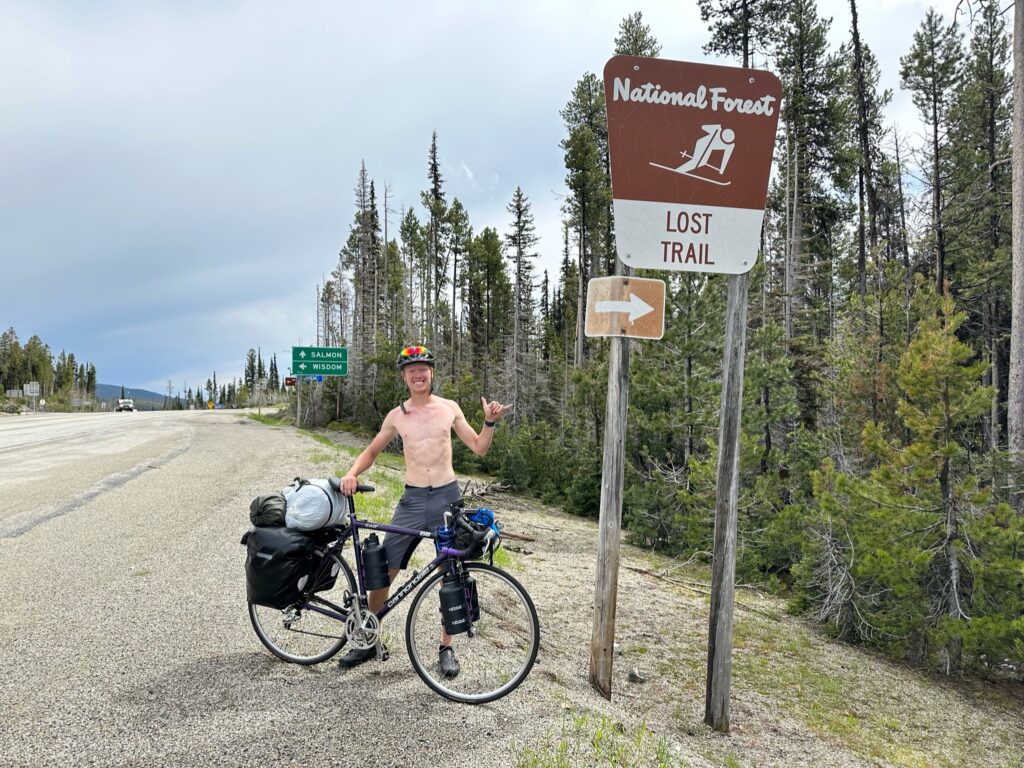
[
  {"x": 313, "y": 631},
  {"x": 499, "y": 652}
]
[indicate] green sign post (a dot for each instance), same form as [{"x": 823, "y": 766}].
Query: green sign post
[{"x": 325, "y": 361}]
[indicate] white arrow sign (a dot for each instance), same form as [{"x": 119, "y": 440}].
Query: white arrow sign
[{"x": 636, "y": 307}]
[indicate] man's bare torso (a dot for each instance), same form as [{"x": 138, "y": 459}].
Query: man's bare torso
[{"x": 426, "y": 432}]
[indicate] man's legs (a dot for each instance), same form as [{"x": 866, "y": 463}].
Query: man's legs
[
  {"x": 377, "y": 597},
  {"x": 419, "y": 508}
]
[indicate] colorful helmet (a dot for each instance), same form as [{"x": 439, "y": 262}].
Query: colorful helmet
[{"x": 416, "y": 354}]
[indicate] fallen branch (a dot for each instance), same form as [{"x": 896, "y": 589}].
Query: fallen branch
[
  {"x": 516, "y": 536},
  {"x": 479, "y": 490}
]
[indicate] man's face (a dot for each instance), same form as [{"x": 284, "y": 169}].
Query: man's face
[{"x": 418, "y": 377}]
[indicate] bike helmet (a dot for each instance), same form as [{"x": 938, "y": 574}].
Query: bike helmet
[{"x": 415, "y": 354}]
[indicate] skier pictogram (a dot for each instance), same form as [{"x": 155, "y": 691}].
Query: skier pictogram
[{"x": 714, "y": 141}]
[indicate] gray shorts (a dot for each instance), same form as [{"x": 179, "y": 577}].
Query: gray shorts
[{"x": 422, "y": 509}]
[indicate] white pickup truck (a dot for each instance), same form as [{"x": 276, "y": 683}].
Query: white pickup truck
[{"x": 125, "y": 404}]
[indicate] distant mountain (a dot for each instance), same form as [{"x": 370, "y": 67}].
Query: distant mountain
[{"x": 143, "y": 397}]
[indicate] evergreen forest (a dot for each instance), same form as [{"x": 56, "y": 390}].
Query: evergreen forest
[
  {"x": 876, "y": 486},
  {"x": 61, "y": 378}
]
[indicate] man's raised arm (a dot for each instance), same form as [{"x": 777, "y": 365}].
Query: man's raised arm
[{"x": 479, "y": 443}]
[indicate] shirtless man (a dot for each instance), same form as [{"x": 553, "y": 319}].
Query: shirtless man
[{"x": 425, "y": 423}]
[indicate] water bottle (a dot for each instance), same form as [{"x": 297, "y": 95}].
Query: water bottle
[
  {"x": 445, "y": 537},
  {"x": 453, "y": 605},
  {"x": 375, "y": 563}
]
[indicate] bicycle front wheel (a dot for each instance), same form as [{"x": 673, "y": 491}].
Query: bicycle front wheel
[
  {"x": 496, "y": 656},
  {"x": 313, "y": 631}
]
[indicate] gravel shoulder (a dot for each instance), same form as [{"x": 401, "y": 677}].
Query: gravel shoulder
[{"x": 127, "y": 643}]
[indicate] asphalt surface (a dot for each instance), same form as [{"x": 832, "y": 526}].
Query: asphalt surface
[{"x": 124, "y": 632}]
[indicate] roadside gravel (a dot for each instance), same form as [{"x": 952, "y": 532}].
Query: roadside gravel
[{"x": 126, "y": 643}]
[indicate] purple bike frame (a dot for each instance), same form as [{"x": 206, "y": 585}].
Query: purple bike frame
[{"x": 355, "y": 524}]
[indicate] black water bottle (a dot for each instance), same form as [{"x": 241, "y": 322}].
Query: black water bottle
[
  {"x": 375, "y": 563},
  {"x": 453, "y": 605}
]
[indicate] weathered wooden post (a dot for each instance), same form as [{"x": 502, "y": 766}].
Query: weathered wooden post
[
  {"x": 602, "y": 640},
  {"x": 621, "y": 307},
  {"x": 723, "y": 568}
]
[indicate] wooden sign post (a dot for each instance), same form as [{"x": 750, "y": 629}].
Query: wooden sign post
[
  {"x": 691, "y": 151},
  {"x": 602, "y": 640},
  {"x": 727, "y": 489},
  {"x": 621, "y": 307}
]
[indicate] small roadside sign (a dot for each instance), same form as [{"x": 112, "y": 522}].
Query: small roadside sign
[
  {"x": 289, "y": 381},
  {"x": 325, "y": 361},
  {"x": 691, "y": 152},
  {"x": 32, "y": 389},
  {"x": 625, "y": 306}
]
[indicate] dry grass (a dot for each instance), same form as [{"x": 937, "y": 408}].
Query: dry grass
[{"x": 798, "y": 697}]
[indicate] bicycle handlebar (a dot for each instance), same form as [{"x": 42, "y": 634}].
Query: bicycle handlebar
[
  {"x": 360, "y": 487},
  {"x": 459, "y": 518}
]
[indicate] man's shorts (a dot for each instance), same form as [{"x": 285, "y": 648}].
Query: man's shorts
[{"x": 422, "y": 509}]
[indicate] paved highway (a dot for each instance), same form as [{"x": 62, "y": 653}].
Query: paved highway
[
  {"x": 52, "y": 463},
  {"x": 123, "y": 626}
]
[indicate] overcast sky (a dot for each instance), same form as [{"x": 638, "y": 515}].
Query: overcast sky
[{"x": 177, "y": 177}]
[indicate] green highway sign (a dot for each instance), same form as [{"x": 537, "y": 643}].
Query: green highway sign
[{"x": 326, "y": 361}]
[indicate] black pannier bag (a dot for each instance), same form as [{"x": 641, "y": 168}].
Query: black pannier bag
[{"x": 279, "y": 563}]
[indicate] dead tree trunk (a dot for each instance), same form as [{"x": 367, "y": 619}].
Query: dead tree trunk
[{"x": 1015, "y": 396}]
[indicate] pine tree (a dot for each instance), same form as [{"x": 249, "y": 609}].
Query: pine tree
[
  {"x": 817, "y": 165},
  {"x": 250, "y": 369},
  {"x": 521, "y": 241},
  {"x": 489, "y": 307},
  {"x": 11, "y": 360},
  {"x": 587, "y": 209},
  {"x": 275, "y": 379},
  {"x": 435, "y": 238},
  {"x": 635, "y": 38},
  {"x": 414, "y": 257},
  {"x": 931, "y": 71},
  {"x": 869, "y": 105},
  {"x": 892, "y": 562},
  {"x": 461, "y": 235},
  {"x": 979, "y": 194}
]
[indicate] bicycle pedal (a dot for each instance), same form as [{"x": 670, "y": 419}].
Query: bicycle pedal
[{"x": 384, "y": 655}]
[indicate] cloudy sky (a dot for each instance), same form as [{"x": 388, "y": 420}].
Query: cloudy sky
[{"x": 176, "y": 176}]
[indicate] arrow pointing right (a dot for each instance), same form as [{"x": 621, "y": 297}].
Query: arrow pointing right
[{"x": 636, "y": 307}]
